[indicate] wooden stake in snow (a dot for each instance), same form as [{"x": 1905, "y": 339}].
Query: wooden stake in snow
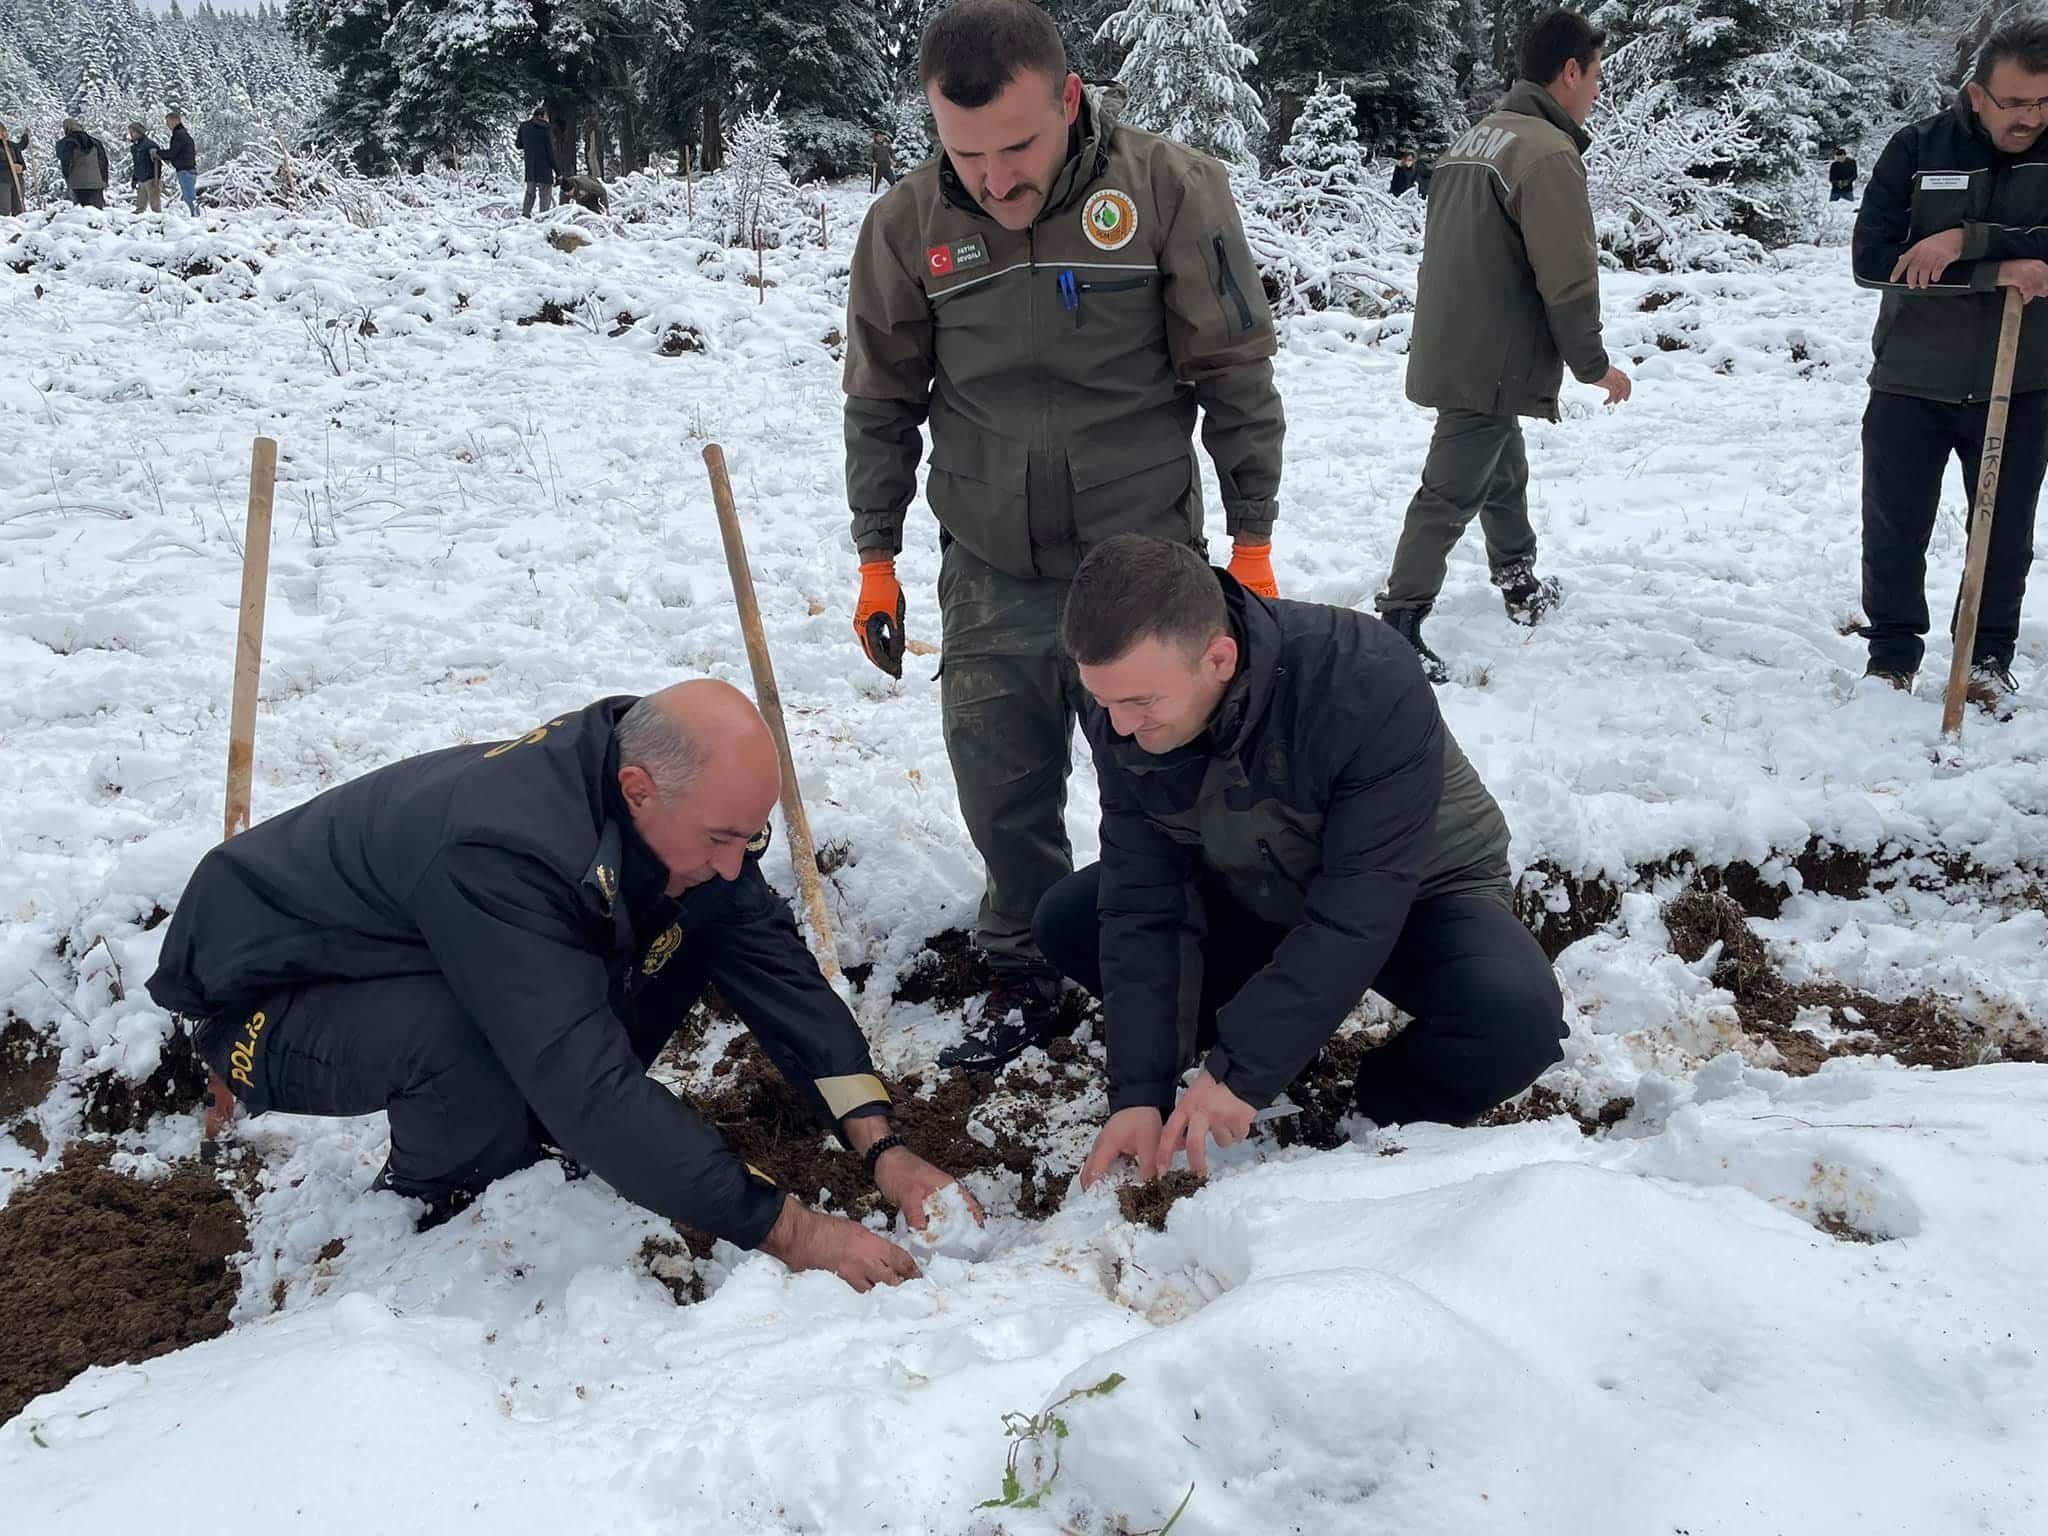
[
  {"x": 802, "y": 852},
  {"x": 249, "y": 640},
  {"x": 824, "y": 233},
  {"x": 291, "y": 182},
  {"x": 1988, "y": 466},
  {"x": 220, "y": 1106},
  {"x": 689, "y": 182},
  {"x": 760, "y": 268}
]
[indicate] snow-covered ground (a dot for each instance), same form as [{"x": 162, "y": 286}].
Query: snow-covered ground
[{"x": 481, "y": 522}]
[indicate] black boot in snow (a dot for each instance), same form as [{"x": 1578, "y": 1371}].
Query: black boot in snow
[
  {"x": 1407, "y": 623},
  {"x": 1527, "y": 597}
]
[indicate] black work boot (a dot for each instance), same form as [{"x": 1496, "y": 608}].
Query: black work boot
[
  {"x": 1407, "y": 623},
  {"x": 442, "y": 1205},
  {"x": 1897, "y": 678},
  {"x": 1527, "y": 597},
  {"x": 1992, "y": 688},
  {"x": 1021, "y": 1010}
]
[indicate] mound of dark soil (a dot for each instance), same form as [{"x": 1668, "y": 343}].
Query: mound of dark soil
[{"x": 101, "y": 1268}]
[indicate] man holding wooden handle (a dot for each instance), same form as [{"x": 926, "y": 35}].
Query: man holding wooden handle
[
  {"x": 493, "y": 942},
  {"x": 1956, "y": 210}
]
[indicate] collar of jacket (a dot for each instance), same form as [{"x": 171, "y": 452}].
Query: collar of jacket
[
  {"x": 1088, "y": 144},
  {"x": 626, "y": 874},
  {"x": 1258, "y": 651},
  {"x": 1532, "y": 100}
]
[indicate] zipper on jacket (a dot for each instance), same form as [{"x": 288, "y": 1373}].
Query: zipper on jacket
[
  {"x": 1266, "y": 852},
  {"x": 1226, "y": 285}
]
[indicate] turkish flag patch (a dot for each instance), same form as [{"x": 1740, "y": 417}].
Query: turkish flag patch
[{"x": 939, "y": 259}]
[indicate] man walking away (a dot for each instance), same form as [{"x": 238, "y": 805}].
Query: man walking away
[
  {"x": 145, "y": 170},
  {"x": 83, "y": 160},
  {"x": 13, "y": 173},
  {"x": 184, "y": 157},
  {"x": 1956, "y": 209},
  {"x": 1510, "y": 294},
  {"x": 537, "y": 148},
  {"x": 1059, "y": 294},
  {"x": 1842, "y": 177},
  {"x": 1404, "y": 172}
]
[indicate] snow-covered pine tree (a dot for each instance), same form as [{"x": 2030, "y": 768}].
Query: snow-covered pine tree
[
  {"x": 1778, "y": 61},
  {"x": 910, "y": 132},
  {"x": 1184, "y": 74},
  {"x": 1324, "y": 140},
  {"x": 1399, "y": 60}
]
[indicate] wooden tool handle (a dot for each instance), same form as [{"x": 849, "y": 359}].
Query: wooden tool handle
[{"x": 802, "y": 852}]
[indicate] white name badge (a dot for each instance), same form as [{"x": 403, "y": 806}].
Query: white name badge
[{"x": 1957, "y": 182}]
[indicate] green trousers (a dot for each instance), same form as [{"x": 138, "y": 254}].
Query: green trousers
[
  {"x": 1476, "y": 465},
  {"x": 1008, "y": 699}
]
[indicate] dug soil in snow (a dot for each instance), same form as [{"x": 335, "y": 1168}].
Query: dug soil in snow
[
  {"x": 28, "y": 1071},
  {"x": 1918, "y": 1031},
  {"x": 1149, "y": 1203},
  {"x": 102, "y": 1268}
]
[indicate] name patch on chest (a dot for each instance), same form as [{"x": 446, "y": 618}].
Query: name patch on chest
[
  {"x": 943, "y": 260},
  {"x": 1946, "y": 181}
]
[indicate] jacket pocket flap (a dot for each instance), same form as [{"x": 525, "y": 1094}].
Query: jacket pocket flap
[
  {"x": 1097, "y": 460},
  {"x": 983, "y": 457}
]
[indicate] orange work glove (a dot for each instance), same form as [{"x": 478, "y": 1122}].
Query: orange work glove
[
  {"x": 1252, "y": 565},
  {"x": 878, "y": 616}
]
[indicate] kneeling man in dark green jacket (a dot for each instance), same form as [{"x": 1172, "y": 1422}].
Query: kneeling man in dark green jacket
[{"x": 1286, "y": 823}]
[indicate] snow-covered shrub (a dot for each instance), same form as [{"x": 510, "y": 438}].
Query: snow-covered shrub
[
  {"x": 822, "y": 146},
  {"x": 1657, "y": 178},
  {"x": 1319, "y": 227},
  {"x": 263, "y": 176},
  {"x": 751, "y": 193}
]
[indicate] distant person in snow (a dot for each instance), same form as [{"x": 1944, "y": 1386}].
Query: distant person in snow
[
  {"x": 1045, "y": 439},
  {"x": 1510, "y": 295},
  {"x": 13, "y": 173},
  {"x": 1842, "y": 177},
  {"x": 183, "y": 155},
  {"x": 881, "y": 161},
  {"x": 1405, "y": 174},
  {"x": 1350, "y": 846},
  {"x": 145, "y": 170},
  {"x": 1947, "y": 220},
  {"x": 537, "y": 149},
  {"x": 586, "y": 192},
  {"x": 83, "y": 160},
  {"x": 492, "y": 943}
]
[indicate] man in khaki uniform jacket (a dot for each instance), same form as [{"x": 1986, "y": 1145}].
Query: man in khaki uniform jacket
[
  {"x": 1510, "y": 294},
  {"x": 1057, "y": 295}
]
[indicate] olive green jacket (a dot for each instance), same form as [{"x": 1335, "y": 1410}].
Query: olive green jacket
[
  {"x": 1061, "y": 366},
  {"x": 1510, "y": 287}
]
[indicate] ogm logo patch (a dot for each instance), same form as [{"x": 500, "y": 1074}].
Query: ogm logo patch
[
  {"x": 662, "y": 950},
  {"x": 1110, "y": 220}
]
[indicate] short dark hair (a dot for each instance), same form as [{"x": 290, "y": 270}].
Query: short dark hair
[
  {"x": 2025, "y": 41},
  {"x": 1557, "y": 39},
  {"x": 974, "y": 48},
  {"x": 1133, "y": 588}
]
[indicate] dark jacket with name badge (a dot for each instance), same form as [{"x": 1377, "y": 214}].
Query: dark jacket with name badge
[
  {"x": 1944, "y": 173},
  {"x": 1325, "y": 797},
  {"x": 1062, "y": 365},
  {"x": 514, "y": 871}
]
